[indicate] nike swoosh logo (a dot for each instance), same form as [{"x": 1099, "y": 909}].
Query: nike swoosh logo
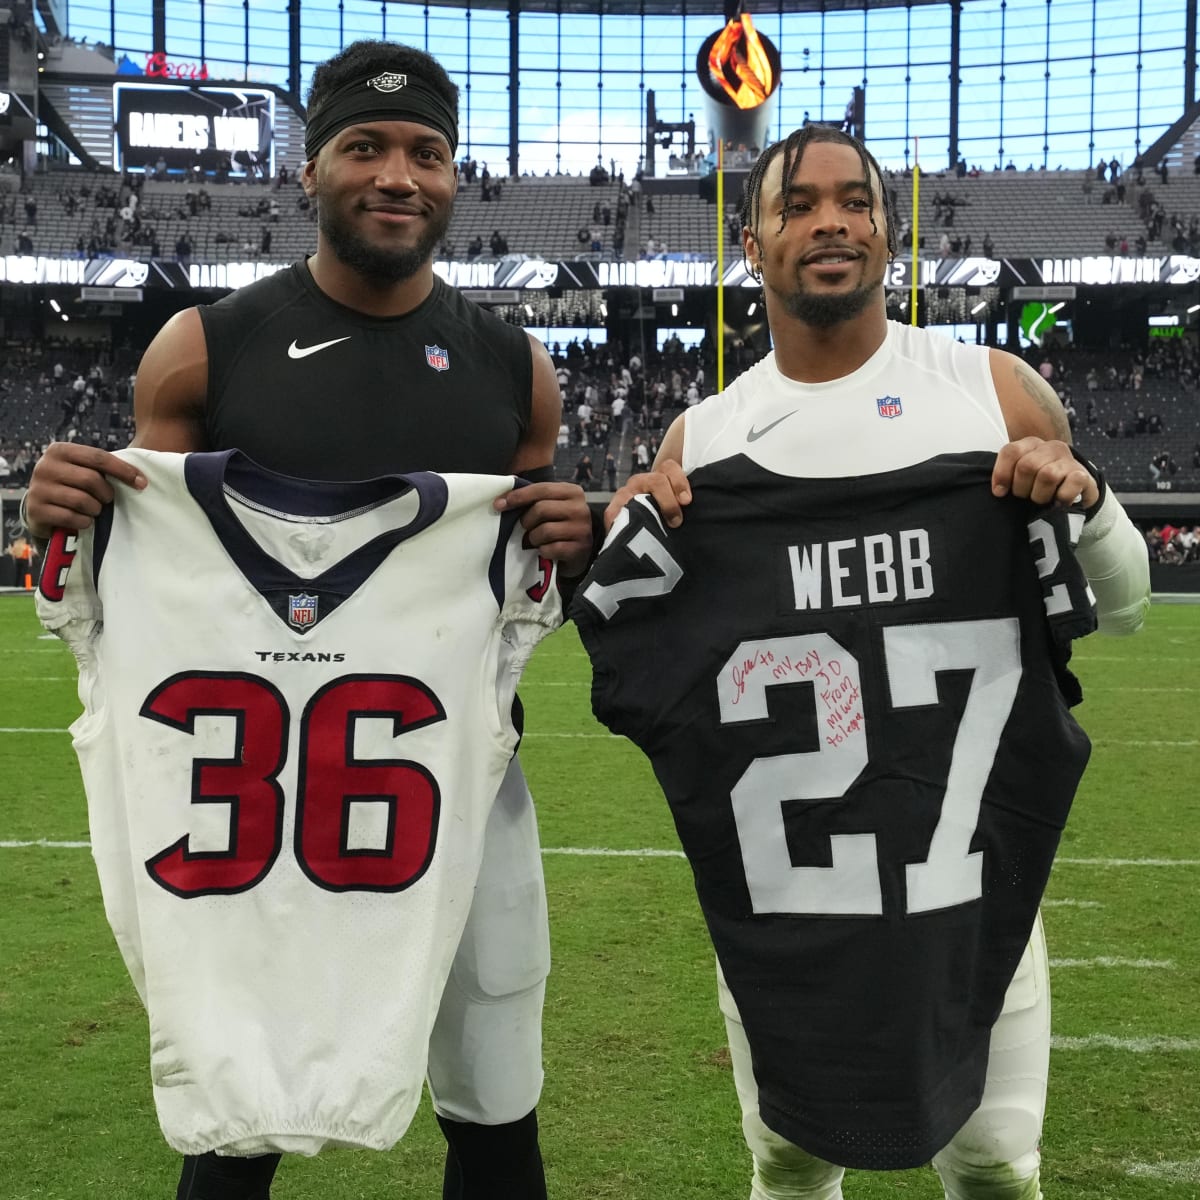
[
  {"x": 752, "y": 434},
  {"x": 295, "y": 351}
]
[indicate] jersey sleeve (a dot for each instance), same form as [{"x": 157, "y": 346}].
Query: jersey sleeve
[
  {"x": 617, "y": 607},
  {"x": 1070, "y": 604},
  {"x": 66, "y": 599},
  {"x": 531, "y": 609}
]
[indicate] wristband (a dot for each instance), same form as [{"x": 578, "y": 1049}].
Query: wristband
[{"x": 1101, "y": 486}]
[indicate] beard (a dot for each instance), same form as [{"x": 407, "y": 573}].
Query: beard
[
  {"x": 823, "y": 310},
  {"x": 365, "y": 258}
]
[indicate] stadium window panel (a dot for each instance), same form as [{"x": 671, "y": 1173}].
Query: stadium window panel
[
  {"x": 484, "y": 120},
  {"x": 134, "y": 28},
  {"x": 360, "y": 19},
  {"x": 269, "y": 34},
  {"x": 980, "y": 33},
  {"x": 91, "y": 21},
  {"x": 1024, "y": 151},
  {"x": 1024, "y": 100},
  {"x": 839, "y": 91},
  {"x": 579, "y": 39},
  {"x": 619, "y": 52},
  {"x": 1116, "y": 26},
  {"x": 488, "y": 39},
  {"x": 979, "y": 104},
  {"x": 622, "y": 121},
  {"x": 1162, "y": 86},
  {"x": 319, "y": 31},
  {"x": 1025, "y": 30},
  {"x": 1116, "y": 86},
  {"x": 1070, "y": 102},
  {"x": 887, "y": 32},
  {"x": 1071, "y": 149},
  {"x": 183, "y": 29},
  {"x": 887, "y": 110},
  {"x": 842, "y": 47},
  {"x": 1163, "y": 25},
  {"x": 539, "y": 43},
  {"x": 228, "y": 24},
  {"x": 931, "y": 33}
]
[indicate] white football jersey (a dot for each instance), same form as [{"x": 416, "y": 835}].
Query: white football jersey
[
  {"x": 297, "y": 713},
  {"x": 919, "y": 395}
]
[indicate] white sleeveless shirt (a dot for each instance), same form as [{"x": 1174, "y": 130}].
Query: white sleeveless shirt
[{"x": 919, "y": 395}]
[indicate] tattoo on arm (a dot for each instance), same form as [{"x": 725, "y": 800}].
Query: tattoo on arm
[{"x": 1038, "y": 390}]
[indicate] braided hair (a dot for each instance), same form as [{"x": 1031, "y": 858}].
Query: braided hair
[{"x": 792, "y": 148}]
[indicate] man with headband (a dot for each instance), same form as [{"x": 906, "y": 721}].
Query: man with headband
[{"x": 360, "y": 362}]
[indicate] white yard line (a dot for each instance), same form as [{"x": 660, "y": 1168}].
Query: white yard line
[
  {"x": 1169, "y": 1172},
  {"x": 45, "y": 844},
  {"x": 1137, "y": 964},
  {"x": 1127, "y": 862},
  {"x": 1160, "y": 1044},
  {"x": 650, "y": 852}
]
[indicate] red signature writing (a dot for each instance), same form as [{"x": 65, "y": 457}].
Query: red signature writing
[{"x": 762, "y": 658}]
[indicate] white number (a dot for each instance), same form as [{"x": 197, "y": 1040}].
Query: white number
[
  {"x": 1041, "y": 532},
  {"x": 913, "y": 655},
  {"x": 607, "y": 598},
  {"x": 851, "y": 885}
]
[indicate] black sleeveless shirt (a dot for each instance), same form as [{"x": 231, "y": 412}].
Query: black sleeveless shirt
[{"x": 307, "y": 387}]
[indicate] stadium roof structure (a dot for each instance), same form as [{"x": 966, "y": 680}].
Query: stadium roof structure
[{"x": 681, "y": 8}]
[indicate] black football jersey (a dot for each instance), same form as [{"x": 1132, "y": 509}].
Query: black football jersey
[{"x": 854, "y": 695}]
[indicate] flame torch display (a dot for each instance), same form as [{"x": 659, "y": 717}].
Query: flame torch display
[{"x": 739, "y": 71}]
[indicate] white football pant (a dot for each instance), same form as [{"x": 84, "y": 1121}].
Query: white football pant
[
  {"x": 485, "y": 1053},
  {"x": 994, "y": 1156}
]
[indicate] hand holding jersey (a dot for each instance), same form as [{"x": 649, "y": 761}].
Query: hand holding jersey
[{"x": 845, "y": 400}]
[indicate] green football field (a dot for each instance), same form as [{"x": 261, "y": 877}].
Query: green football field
[{"x": 639, "y": 1101}]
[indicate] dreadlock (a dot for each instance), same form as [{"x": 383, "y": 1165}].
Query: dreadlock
[{"x": 792, "y": 148}]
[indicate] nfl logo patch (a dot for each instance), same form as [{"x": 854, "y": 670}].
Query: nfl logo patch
[
  {"x": 438, "y": 358},
  {"x": 889, "y": 406},
  {"x": 302, "y": 610}
]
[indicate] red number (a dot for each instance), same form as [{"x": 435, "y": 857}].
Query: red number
[
  {"x": 246, "y": 781},
  {"x": 60, "y": 554},
  {"x": 330, "y": 780},
  {"x": 542, "y": 586}
]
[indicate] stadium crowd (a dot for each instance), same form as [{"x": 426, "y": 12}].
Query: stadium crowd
[{"x": 1135, "y": 412}]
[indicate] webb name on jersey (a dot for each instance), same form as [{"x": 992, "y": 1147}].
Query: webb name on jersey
[
  {"x": 297, "y": 713},
  {"x": 854, "y": 695}
]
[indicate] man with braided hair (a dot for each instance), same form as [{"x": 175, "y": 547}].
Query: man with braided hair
[
  {"x": 356, "y": 363},
  {"x": 811, "y": 851}
]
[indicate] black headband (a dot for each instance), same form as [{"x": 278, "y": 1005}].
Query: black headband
[{"x": 385, "y": 97}]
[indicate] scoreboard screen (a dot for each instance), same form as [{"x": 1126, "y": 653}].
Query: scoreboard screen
[{"x": 215, "y": 128}]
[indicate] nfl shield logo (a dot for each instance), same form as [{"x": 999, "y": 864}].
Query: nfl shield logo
[
  {"x": 302, "y": 610},
  {"x": 889, "y": 406},
  {"x": 389, "y": 81},
  {"x": 437, "y": 357}
]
